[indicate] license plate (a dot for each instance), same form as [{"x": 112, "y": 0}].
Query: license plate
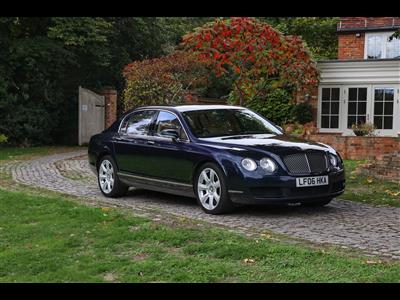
[{"x": 312, "y": 181}]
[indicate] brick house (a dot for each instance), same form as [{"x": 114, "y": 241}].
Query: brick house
[{"x": 363, "y": 84}]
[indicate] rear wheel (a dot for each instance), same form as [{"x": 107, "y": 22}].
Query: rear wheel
[
  {"x": 317, "y": 203},
  {"x": 108, "y": 180},
  {"x": 211, "y": 191}
]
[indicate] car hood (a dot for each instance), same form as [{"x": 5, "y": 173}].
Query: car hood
[{"x": 278, "y": 144}]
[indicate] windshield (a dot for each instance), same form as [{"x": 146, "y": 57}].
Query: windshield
[{"x": 227, "y": 122}]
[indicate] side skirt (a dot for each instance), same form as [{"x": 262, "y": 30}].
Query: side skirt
[{"x": 159, "y": 185}]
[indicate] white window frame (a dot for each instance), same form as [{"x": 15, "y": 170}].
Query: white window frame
[
  {"x": 319, "y": 111},
  {"x": 384, "y": 35}
]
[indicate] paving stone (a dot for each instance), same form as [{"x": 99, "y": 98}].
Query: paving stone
[{"x": 372, "y": 229}]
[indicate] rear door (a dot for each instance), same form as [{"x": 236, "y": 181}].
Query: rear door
[{"x": 131, "y": 144}]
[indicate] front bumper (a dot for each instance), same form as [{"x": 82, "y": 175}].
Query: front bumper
[{"x": 282, "y": 189}]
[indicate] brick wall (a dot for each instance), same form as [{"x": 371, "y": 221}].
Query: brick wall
[
  {"x": 388, "y": 168},
  {"x": 357, "y": 147},
  {"x": 351, "y": 46}
]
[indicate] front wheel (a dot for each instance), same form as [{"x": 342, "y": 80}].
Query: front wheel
[
  {"x": 318, "y": 203},
  {"x": 108, "y": 180},
  {"x": 211, "y": 191}
]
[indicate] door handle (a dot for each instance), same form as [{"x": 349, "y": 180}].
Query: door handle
[{"x": 150, "y": 142}]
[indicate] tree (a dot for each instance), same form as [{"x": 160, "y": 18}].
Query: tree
[
  {"x": 164, "y": 80},
  {"x": 254, "y": 53},
  {"x": 319, "y": 33}
]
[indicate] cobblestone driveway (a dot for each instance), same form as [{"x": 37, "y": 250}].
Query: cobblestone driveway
[{"x": 375, "y": 230}]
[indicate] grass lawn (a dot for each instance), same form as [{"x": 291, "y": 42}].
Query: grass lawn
[
  {"x": 369, "y": 190},
  {"x": 7, "y": 153},
  {"x": 52, "y": 239}
]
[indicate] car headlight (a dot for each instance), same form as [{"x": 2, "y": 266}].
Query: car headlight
[
  {"x": 249, "y": 164},
  {"x": 333, "y": 160},
  {"x": 268, "y": 165}
]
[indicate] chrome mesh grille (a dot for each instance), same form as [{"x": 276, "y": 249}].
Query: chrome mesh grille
[{"x": 306, "y": 163}]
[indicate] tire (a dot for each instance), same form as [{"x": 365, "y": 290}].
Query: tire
[
  {"x": 210, "y": 204},
  {"x": 317, "y": 203},
  {"x": 108, "y": 180}
]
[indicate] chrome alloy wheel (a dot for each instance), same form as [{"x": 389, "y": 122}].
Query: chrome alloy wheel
[
  {"x": 209, "y": 188},
  {"x": 106, "y": 176}
]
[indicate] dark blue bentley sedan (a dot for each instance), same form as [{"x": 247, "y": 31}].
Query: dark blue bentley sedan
[{"x": 222, "y": 155}]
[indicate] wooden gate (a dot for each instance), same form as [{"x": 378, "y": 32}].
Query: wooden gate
[{"x": 91, "y": 114}]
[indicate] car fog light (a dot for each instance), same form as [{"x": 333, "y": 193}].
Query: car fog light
[
  {"x": 268, "y": 165},
  {"x": 249, "y": 164},
  {"x": 333, "y": 160}
]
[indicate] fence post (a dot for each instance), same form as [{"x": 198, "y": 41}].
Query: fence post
[{"x": 111, "y": 106}]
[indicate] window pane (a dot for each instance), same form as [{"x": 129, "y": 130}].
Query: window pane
[
  {"x": 378, "y": 122},
  {"x": 352, "y": 94},
  {"x": 374, "y": 46},
  {"x": 378, "y": 94},
  {"x": 335, "y": 94},
  {"x": 362, "y": 108},
  {"x": 361, "y": 119},
  {"x": 166, "y": 120},
  {"x": 393, "y": 48},
  {"x": 325, "y": 108},
  {"x": 334, "y": 122},
  {"x": 352, "y": 108},
  {"x": 350, "y": 121},
  {"x": 335, "y": 108},
  {"x": 389, "y": 94},
  {"x": 362, "y": 94},
  {"x": 325, "y": 122},
  {"x": 139, "y": 122},
  {"x": 378, "y": 110},
  {"x": 388, "y": 123},
  {"x": 388, "y": 108},
  {"x": 326, "y": 94}
]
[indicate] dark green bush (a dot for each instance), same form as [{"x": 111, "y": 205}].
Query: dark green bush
[
  {"x": 302, "y": 113},
  {"x": 276, "y": 106}
]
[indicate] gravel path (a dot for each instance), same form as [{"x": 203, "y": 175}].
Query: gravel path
[{"x": 374, "y": 230}]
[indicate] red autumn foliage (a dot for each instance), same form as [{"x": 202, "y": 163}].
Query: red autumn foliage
[{"x": 252, "y": 49}]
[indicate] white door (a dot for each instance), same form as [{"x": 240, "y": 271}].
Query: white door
[
  {"x": 385, "y": 112},
  {"x": 357, "y": 106}
]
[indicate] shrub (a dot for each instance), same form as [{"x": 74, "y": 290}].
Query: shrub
[
  {"x": 302, "y": 113},
  {"x": 3, "y": 138},
  {"x": 276, "y": 105},
  {"x": 164, "y": 80},
  {"x": 363, "y": 129}
]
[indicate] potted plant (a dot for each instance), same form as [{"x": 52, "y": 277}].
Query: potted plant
[{"x": 363, "y": 129}]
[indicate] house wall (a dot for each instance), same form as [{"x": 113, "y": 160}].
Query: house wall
[
  {"x": 357, "y": 147},
  {"x": 351, "y": 46}
]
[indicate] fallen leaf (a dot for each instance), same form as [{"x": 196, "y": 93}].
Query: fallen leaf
[
  {"x": 373, "y": 262},
  {"x": 140, "y": 273},
  {"x": 249, "y": 261},
  {"x": 105, "y": 209},
  {"x": 369, "y": 180},
  {"x": 105, "y": 215},
  {"x": 265, "y": 235}
]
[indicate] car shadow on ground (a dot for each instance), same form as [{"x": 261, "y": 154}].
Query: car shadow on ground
[{"x": 256, "y": 210}]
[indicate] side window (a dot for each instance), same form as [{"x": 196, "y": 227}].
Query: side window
[
  {"x": 138, "y": 123},
  {"x": 166, "y": 120}
]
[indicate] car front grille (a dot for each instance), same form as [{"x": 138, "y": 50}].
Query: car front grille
[{"x": 306, "y": 163}]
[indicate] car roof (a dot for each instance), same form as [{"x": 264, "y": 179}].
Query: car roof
[{"x": 184, "y": 108}]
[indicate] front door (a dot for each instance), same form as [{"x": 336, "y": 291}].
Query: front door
[
  {"x": 377, "y": 104},
  {"x": 170, "y": 159},
  {"x": 385, "y": 112}
]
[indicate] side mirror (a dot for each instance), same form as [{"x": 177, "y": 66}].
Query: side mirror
[
  {"x": 280, "y": 128},
  {"x": 172, "y": 133}
]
